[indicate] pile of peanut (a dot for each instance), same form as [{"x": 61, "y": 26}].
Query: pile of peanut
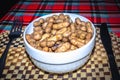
[{"x": 58, "y": 33}]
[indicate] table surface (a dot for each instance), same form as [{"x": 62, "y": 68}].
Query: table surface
[
  {"x": 19, "y": 65},
  {"x": 101, "y": 11}
]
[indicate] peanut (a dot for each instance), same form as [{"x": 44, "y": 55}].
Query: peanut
[
  {"x": 60, "y": 25},
  {"x": 45, "y": 36},
  {"x": 89, "y": 28},
  {"x": 64, "y": 47},
  {"x": 55, "y": 38},
  {"x": 36, "y": 23},
  {"x": 78, "y": 21},
  {"x": 36, "y": 36}
]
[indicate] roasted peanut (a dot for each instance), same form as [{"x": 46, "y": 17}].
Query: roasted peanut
[
  {"x": 36, "y": 23},
  {"x": 44, "y": 36},
  {"x": 58, "y": 42},
  {"x": 32, "y": 42},
  {"x": 83, "y": 28},
  {"x": 47, "y": 19},
  {"x": 78, "y": 27},
  {"x": 61, "y": 31},
  {"x": 89, "y": 28},
  {"x": 53, "y": 32},
  {"x": 78, "y": 21},
  {"x": 73, "y": 35},
  {"x": 67, "y": 33},
  {"x": 66, "y": 24},
  {"x": 82, "y": 23},
  {"x": 36, "y": 35},
  {"x": 76, "y": 42},
  {"x": 44, "y": 25},
  {"x": 41, "y": 20},
  {"x": 81, "y": 40},
  {"x": 89, "y": 35},
  {"x": 82, "y": 35},
  {"x": 65, "y": 39},
  {"x": 50, "y": 24},
  {"x": 51, "y": 19},
  {"x": 50, "y": 43},
  {"x": 55, "y": 38},
  {"x": 59, "y": 21},
  {"x": 28, "y": 37},
  {"x": 39, "y": 48},
  {"x": 55, "y": 17},
  {"x": 48, "y": 27},
  {"x": 54, "y": 48},
  {"x": 87, "y": 40},
  {"x": 56, "y": 45},
  {"x": 73, "y": 47},
  {"x": 46, "y": 49},
  {"x": 72, "y": 26},
  {"x": 78, "y": 32},
  {"x": 60, "y": 25},
  {"x": 36, "y": 29},
  {"x": 67, "y": 17},
  {"x": 50, "y": 50},
  {"x": 61, "y": 16},
  {"x": 43, "y": 43},
  {"x": 64, "y": 47}
]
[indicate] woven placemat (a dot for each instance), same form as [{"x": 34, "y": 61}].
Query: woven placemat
[{"x": 19, "y": 66}]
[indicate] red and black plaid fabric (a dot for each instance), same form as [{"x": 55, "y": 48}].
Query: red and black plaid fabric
[{"x": 98, "y": 11}]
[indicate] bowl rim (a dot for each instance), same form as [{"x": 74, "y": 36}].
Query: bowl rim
[{"x": 68, "y": 52}]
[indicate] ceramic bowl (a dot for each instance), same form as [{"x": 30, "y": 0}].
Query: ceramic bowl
[{"x": 60, "y": 62}]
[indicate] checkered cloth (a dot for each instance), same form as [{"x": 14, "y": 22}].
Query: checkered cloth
[{"x": 98, "y": 11}]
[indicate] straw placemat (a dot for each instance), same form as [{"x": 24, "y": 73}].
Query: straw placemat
[{"x": 19, "y": 66}]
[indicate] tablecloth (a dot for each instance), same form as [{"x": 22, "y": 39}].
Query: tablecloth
[{"x": 98, "y": 11}]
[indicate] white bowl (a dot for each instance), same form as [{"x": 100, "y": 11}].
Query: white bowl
[{"x": 60, "y": 62}]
